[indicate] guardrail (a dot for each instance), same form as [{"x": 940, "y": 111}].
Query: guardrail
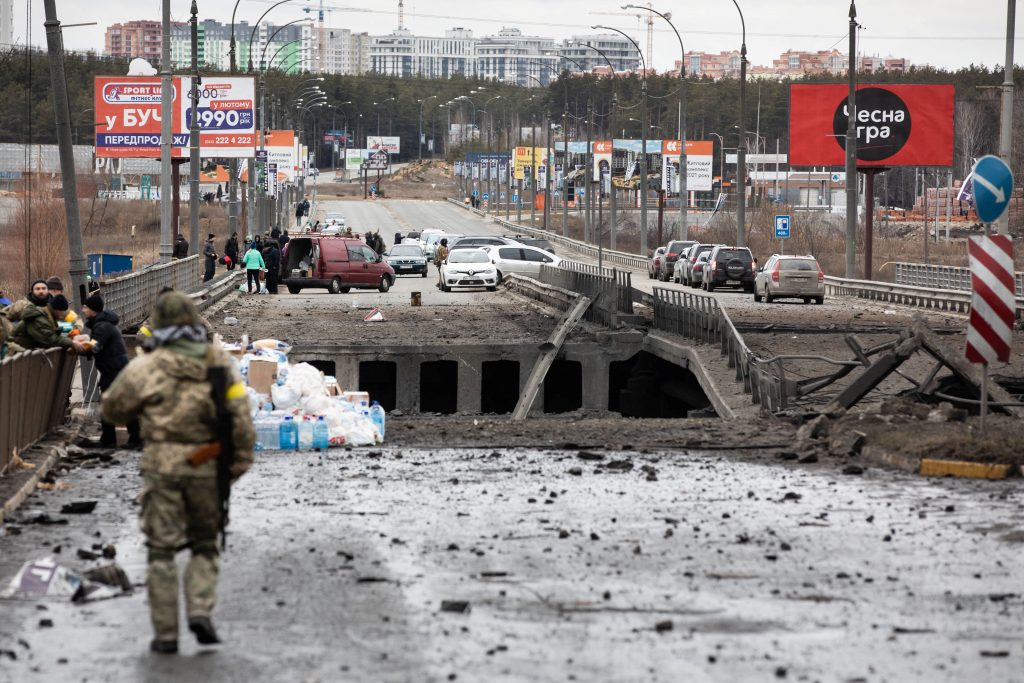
[
  {"x": 942, "y": 277},
  {"x": 35, "y": 389},
  {"x": 956, "y": 301},
  {"x": 132, "y": 296},
  {"x": 610, "y": 290}
]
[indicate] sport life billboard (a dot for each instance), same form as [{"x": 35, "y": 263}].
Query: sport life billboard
[
  {"x": 897, "y": 125},
  {"x": 393, "y": 145},
  {"x": 700, "y": 155},
  {"x": 128, "y": 118}
]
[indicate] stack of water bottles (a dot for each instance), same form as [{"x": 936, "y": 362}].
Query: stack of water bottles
[{"x": 304, "y": 410}]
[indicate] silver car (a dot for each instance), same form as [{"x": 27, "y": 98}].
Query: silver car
[{"x": 796, "y": 277}]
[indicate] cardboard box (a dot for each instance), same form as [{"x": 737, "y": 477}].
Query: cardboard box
[{"x": 262, "y": 375}]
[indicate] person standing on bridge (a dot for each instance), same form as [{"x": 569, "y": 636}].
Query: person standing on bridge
[
  {"x": 210, "y": 254},
  {"x": 180, "y": 247},
  {"x": 254, "y": 263},
  {"x": 272, "y": 259},
  {"x": 111, "y": 356},
  {"x": 231, "y": 250},
  {"x": 194, "y": 411}
]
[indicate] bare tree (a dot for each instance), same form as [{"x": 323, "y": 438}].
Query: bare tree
[{"x": 971, "y": 123}]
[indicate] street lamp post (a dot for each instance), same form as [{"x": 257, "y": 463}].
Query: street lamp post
[
  {"x": 683, "y": 193},
  {"x": 643, "y": 139},
  {"x": 490, "y": 126},
  {"x": 851, "y": 153},
  {"x": 741, "y": 153},
  {"x": 419, "y": 140}
]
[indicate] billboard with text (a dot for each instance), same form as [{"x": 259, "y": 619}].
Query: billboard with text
[{"x": 897, "y": 125}]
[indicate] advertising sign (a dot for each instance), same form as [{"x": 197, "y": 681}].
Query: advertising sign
[
  {"x": 128, "y": 116},
  {"x": 897, "y": 125},
  {"x": 390, "y": 144},
  {"x": 602, "y": 157},
  {"x": 354, "y": 158},
  {"x": 280, "y": 149},
  {"x": 634, "y": 146},
  {"x": 699, "y": 158}
]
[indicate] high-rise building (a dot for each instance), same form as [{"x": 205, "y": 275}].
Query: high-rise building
[
  {"x": 511, "y": 57},
  {"x": 214, "y": 45},
  {"x": 6, "y": 23},
  {"x": 402, "y": 54},
  {"x": 335, "y": 50},
  {"x": 134, "y": 39},
  {"x": 790, "y": 64},
  {"x": 620, "y": 52}
]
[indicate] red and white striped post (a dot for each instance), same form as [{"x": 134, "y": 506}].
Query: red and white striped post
[{"x": 990, "y": 331}]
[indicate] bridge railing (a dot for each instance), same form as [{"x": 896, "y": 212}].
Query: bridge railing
[
  {"x": 610, "y": 290},
  {"x": 35, "y": 390},
  {"x": 942, "y": 277},
  {"x": 132, "y": 296}
]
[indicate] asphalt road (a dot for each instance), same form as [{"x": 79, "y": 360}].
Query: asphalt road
[{"x": 337, "y": 567}]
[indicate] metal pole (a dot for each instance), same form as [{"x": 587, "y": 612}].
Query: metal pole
[
  {"x": 1006, "y": 115},
  {"x": 741, "y": 154},
  {"x": 533, "y": 172},
  {"x": 851, "y": 152},
  {"x": 166, "y": 136},
  {"x": 548, "y": 158},
  {"x": 643, "y": 165},
  {"x": 193, "y": 137},
  {"x": 565, "y": 170},
  {"x": 984, "y": 391},
  {"x": 62, "y": 113},
  {"x": 869, "y": 220},
  {"x": 588, "y": 196}
]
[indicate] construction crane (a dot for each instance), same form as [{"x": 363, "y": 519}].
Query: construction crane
[
  {"x": 401, "y": 14},
  {"x": 646, "y": 17}
]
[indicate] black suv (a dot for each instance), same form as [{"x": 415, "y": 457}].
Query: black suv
[
  {"x": 729, "y": 267},
  {"x": 538, "y": 242}
]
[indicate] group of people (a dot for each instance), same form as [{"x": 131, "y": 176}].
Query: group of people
[{"x": 43, "y": 320}]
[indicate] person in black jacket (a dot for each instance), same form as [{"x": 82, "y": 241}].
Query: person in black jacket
[
  {"x": 231, "y": 250},
  {"x": 272, "y": 259},
  {"x": 210, "y": 254},
  {"x": 180, "y": 247},
  {"x": 111, "y": 356}
]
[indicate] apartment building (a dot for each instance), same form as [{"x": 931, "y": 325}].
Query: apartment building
[
  {"x": 403, "y": 54},
  {"x": 620, "y": 52},
  {"x": 134, "y": 39},
  {"x": 790, "y": 64},
  {"x": 6, "y": 22}
]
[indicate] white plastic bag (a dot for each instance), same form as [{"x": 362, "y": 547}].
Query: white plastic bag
[{"x": 284, "y": 397}]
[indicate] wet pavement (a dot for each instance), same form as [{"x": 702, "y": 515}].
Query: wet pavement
[{"x": 614, "y": 566}]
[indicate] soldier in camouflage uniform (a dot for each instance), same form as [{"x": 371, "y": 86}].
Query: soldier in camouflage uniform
[{"x": 169, "y": 392}]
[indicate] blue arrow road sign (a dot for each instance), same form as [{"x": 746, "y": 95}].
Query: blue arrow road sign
[
  {"x": 782, "y": 227},
  {"x": 993, "y": 185},
  {"x": 515, "y": 199},
  {"x": 486, "y": 196}
]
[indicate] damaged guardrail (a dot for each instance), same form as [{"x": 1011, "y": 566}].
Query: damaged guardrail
[
  {"x": 610, "y": 290},
  {"x": 942, "y": 277},
  {"x": 132, "y": 296},
  {"x": 35, "y": 391},
  {"x": 955, "y": 301}
]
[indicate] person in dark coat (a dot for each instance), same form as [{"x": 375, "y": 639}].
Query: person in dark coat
[
  {"x": 272, "y": 259},
  {"x": 111, "y": 356},
  {"x": 276, "y": 232},
  {"x": 298, "y": 214},
  {"x": 398, "y": 238},
  {"x": 180, "y": 247},
  {"x": 210, "y": 255},
  {"x": 283, "y": 240},
  {"x": 231, "y": 250}
]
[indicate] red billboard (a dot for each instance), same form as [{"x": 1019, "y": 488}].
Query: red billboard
[{"x": 897, "y": 125}]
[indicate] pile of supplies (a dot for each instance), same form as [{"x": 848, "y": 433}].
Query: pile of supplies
[{"x": 295, "y": 407}]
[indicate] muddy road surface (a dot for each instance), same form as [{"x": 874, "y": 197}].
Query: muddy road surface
[{"x": 600, "y": 565}]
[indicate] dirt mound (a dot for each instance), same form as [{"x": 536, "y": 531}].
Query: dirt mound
[{"x": 424, "y": 171}]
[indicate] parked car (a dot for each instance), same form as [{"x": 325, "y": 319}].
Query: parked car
[
  {"x": 474, "y": 241},
  {"x": 538, "y": 242},
  {"x": 467, "y": 268},
  {"x": 797, "y": 277},
  {"x": 337, "y": 264},
  {"x": 407, "y": 259},
  {"x": 672, "y": 251},
  {"x": 431, "y": 240},
  {"x": 729, "y": 267},
  {"x": 697, "y": 269},
  {"x": 520, "y": 259},
  {"x": 333, "y": 219},
  {"x": 685, "y": 272},
  {"x": 655, "y": 262}
]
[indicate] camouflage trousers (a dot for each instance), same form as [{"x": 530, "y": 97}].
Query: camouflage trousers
[{"x": 180, "y": 512}]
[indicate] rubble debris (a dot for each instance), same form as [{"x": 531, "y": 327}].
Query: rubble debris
[
  {"x": 848, "y": 443},
  {"x": 79, "y": 507},
  {"x": 455, "y": 606},
  {"x": 817, "y": 428}
]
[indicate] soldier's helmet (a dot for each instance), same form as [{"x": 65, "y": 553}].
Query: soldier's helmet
[{"x": 174, "y": 308}]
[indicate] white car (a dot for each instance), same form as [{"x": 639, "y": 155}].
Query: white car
[
  {"x": 519, "y": 259},
  {"x": 334, "y": 219},
  {"x": 468, "y": 268}
]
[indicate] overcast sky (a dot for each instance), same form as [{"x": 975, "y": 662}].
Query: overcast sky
[{"x": 943, "y": 33}]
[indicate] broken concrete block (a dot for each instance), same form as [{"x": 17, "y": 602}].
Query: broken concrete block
[
  {"x": 817, "y": 428},
  {"x": 848, "y": 443}
]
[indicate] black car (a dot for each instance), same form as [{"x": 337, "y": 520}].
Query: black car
[
  {"x": 729, "y": 267},
  {"x": 538, "y": 242},
  {"x": 673, "y": 251}
]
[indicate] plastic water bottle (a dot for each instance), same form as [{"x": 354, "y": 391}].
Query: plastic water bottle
[
  {"x": 289, "y": 434},
  {"x": 270, "y": 434},
  {"x": 305, "y": 434},
  {"x": 377, "y": 416},
  {"x": 321, "y": 437},
  {"x": 260, "y": 445}
]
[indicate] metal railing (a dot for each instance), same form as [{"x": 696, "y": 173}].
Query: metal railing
[
  {"x": 942, "y": 277},
  {"x": 611, "y": 291},
  {"x": 35, "y": 389},
  {"x": 919, "y": 297},
  {"x": 693, "y": 316},
  {"x": 132, "y": 296}
]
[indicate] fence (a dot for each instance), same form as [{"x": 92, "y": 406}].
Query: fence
[
  {"x": 132, "y": 296},
  {"x": 35, "y": 388},
  {"x": 700, "y": 318},
  {"x": 942, "y": 277},
  {"x": 611, "y": 291}
]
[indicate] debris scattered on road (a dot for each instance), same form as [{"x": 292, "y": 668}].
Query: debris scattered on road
[
  {"x": 455, "y": 606},
  {"x": 853, "y": 469},
  {"x": 663, "y": 626},
  {"x": 590, "y": 456},
  {"x": 46, "y": 578},
  {"x": 79, "y": 507}
]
